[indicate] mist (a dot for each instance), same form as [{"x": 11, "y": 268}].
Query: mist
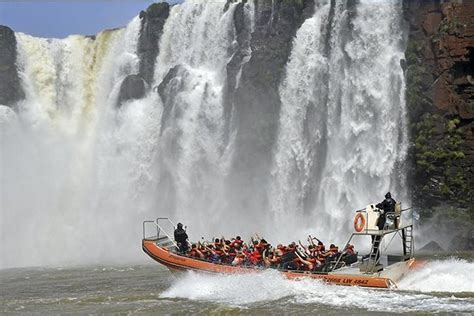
[{"x": 82, "y": 169}]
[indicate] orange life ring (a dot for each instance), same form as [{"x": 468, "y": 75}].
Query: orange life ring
[{"x": 359, "y": 222}]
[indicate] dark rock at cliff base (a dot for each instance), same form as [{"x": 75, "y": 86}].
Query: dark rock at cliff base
[
  {"x": 432, "y": 246},
  {"x": 133, "y": 87},
  {"x": 152, "y": 22},
  {"x": 10, "y": 87}
]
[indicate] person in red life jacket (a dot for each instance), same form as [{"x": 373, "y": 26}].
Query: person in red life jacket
[
  {"x": 255, "y": 257},
  {"x": 313, "y": 250},
  {"x": 227, "y": 244},
  {"x": 349, "y": 256},
  {"x": 281, "y": 250},
  {"x": 239, "y": 259},
  {"x": 195, "y": 252},
  {"x": 261, "y": 245},
  {"x": 230, "y": 255},
  {"x": 237, "y": 241},
  {"x": 210, "y": 253},
  {"x": 321, "y": 247},
  {"x": 215, "y": 253},
  {"x": 275, "y": 259},
  {"x": 349, "y": 249},
  {"x": 333, "y": 249},
  {"x": 330, "y": 252},
  {"x": 219, "y": 255},
  {"x": 309, "y": 263}
]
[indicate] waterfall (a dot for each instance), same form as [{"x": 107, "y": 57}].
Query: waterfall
[
  {"x": 71, "y": 164},
  {"x": 80, "y": 172},
  {"x": 343, "y": 129},
  {"x": 197, "y": 43}
]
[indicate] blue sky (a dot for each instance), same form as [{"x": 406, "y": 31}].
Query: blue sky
[{"x": 55, "y": 18}]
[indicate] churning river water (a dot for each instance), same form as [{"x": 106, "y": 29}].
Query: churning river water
[{"x": 442, "y": 286}]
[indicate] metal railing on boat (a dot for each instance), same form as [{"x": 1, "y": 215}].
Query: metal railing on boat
[{"x": 162, "y": 238}]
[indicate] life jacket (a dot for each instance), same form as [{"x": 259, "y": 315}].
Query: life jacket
[
  {"x": 236, "y": 242},
  {"x": 350, "y": 250}
]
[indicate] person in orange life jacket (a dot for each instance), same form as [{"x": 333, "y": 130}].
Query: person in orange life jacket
[{"x": 181, "y": 238}]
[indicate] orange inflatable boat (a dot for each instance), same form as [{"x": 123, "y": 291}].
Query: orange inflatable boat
[{"x": 375, "y": 270}]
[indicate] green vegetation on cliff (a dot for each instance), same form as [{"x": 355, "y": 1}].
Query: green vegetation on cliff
[{"x": 438, "y": 176}]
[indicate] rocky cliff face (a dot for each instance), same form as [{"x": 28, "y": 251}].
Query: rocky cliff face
[
  {"x": 440, "y": 97},
  {"x": 152, "y": 21},
  {"x": 10, "y": 88}
]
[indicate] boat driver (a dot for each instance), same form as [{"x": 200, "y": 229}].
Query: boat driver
[{"x": 386, "y": 206}]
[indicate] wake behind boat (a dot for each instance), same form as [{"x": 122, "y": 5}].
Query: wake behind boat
[{"x": 374, "y": 270}]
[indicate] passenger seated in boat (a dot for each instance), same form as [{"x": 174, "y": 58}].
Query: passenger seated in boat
[
  {"x": 275, "y": 260},
  {"x": 214, "y": 254},
  {"x": 289, "y": 260},
  {"x": 239, "y": 259},
  {"x": 280, "y": 250},
  {"x": 310, "y": 263},
  {"x": 255, "y": 257},
  {"x": 231, "y": 253},
  {"x": 181, "y": 238},
  {"x": 321, "y": 246},
  {"x": 261, "y": 245},
  {"x": 236, "y": 241},
  {"x": 333, "y": 252},
  {"x": 195, "y": 252},
  {"x": 349, "y": 256}
]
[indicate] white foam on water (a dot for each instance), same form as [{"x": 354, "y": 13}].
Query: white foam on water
[
  {"x": 453, "y": 275},
  {"x": 245, "y": 290}
]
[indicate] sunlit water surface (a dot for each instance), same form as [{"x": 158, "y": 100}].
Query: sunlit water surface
[{"x": 442, "y": 286}]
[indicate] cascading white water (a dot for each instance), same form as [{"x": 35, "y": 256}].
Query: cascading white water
[
  {"x": 198, "y": 40},
  {"x": 79, "y": 174},
  {"x": 342, "y": 123},
  {"x": 71, "y": 163}
]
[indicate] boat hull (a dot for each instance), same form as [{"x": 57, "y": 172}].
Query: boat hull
[{"x": 177, "y": 263}]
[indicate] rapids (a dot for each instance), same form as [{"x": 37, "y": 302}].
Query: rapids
[
  {"x": 271, "y": 286},
  {"x": 151, "y": 289}
]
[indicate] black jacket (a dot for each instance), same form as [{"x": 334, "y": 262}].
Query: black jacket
[
  {"x": 180, "y": 235},
  {"x": 387, "y": 205}
]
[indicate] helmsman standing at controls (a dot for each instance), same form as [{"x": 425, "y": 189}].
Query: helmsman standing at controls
[{"x": 386, "y": 206}]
